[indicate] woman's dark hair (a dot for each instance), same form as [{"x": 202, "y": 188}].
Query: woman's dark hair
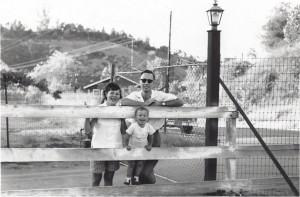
[{"x": 110, "y": 86}]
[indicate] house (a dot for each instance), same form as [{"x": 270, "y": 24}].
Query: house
[{"x": 124, "y": 80}]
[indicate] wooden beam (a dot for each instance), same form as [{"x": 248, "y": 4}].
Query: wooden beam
[
  {"x": 230, "y": 172},
  {"x": 57, "y": 111},
  {"x": 178, "y": 189},
  {"x": 86, "y": 154}
]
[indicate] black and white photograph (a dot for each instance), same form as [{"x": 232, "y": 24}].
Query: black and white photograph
[{"x": 150, "y": 97}]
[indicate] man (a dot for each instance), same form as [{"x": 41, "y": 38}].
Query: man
[{"x": 149, "y": 97}]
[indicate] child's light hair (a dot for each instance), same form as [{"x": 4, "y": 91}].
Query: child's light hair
[{"x": 141, "y": 109}]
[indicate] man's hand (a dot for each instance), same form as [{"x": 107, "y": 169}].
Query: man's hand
[
  {"x": 128, "y": 148},
  {"x": 148, "y": 147},
  {"x": 157, "y": 103}
]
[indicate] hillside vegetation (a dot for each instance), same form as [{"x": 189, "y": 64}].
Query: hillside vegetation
[{"x": 23, "y": 49}]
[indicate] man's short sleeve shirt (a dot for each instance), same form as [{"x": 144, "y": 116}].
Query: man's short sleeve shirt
[{"x": 160, "y": 96}]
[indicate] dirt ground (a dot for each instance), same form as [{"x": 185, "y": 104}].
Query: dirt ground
[{"x": 24, "y": 176}]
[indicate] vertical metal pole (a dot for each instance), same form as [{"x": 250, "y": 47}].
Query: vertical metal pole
[
  {"x": 131, "y": 53},
  {"x": 6, "y": 102},
  {"x": 169, "y": 56},
  {"x": 169, "y": 64},
  {"x": 112, "y": 73},
  {"x": 212, "y": 99}
]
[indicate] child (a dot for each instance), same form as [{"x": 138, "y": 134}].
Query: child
[
  {"x": 106, "y": 134},
  {"x": 138, "y": 133}
]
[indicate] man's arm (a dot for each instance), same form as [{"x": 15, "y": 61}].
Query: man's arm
[
  {"x": 130, "y": 102},
  {"x": 172, "y": 103}
]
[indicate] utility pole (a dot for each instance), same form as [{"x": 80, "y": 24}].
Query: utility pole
[
  {"x": 131, "y": 53},
  {"x": 6, "y": 102},
  {"x": 169, "y": 56},
  {"x": 112, "y": 72}
]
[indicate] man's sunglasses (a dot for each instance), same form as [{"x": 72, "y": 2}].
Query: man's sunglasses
[{"x": 148, "y": 80}]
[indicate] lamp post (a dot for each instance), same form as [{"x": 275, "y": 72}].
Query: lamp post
[
  {"x": 212, "y": 92},
  {"x": 131, "y": 64}
]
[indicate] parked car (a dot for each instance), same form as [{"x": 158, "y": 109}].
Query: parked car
[{"x": 184, "y": 124}]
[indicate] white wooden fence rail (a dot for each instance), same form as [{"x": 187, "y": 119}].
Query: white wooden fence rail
[{"x": 230, "y": 152}]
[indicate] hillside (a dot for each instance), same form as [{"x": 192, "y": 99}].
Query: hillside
[{"x": 23, "y": 48}]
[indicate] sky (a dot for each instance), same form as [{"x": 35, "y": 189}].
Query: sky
[{"x": 241, "y": 24}]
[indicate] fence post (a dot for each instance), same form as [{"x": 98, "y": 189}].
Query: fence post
[
  {"x": 6, "y": 119},
  {"x": 231, "y": 142}
]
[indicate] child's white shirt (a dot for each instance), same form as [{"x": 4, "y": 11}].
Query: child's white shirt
[
  {"x": 160, "y": 96},
  {"x": 139, "y": 135}
]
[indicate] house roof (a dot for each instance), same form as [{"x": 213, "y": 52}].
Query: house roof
[
  {"x": 95, "y": 83},
  {"x": 132, "y": 77},
  {"x": 128, "y": 78}
]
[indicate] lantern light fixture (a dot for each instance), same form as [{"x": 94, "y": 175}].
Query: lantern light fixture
[{"x": 214, "y": 15}]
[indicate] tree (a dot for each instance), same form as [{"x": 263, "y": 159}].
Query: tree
[
  {"x": 43, "y": 23},
  {"x": 17, "y": 26},
  {"x": 274, "y": 34},
  {"x": 162, "y": 52},
  {"x": 69, "y": 31},
  {"x": 292, "y": 28},
  {"x": 252, "y": 53},
  {"x": 14, "y": 30},
  {"x": 81, "y": 31},
  {"x": 61, "y": 72},
  {"x": 20, "y": 80},
  {"x": 282, "y": 32}
]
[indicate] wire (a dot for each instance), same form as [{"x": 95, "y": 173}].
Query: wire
[
  {"x": 111, "y": 45},
  {"x": 142, "y": 62},
  {"x": 10, "y": 47},
  {"x": 42, "y": 59}
]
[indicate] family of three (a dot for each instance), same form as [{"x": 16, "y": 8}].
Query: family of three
[{"x": 142, "y": 132}]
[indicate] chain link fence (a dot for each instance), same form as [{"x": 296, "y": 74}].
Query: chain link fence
[
  {"x": 44, "y": 132},
  {"x": 269, "y": 92},
  {"x": 267, "y": 89}
]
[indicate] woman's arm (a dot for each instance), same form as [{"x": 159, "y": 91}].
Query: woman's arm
[
  {"x": 89, "y": 125},
  {"x": 127, "y": 136}
]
